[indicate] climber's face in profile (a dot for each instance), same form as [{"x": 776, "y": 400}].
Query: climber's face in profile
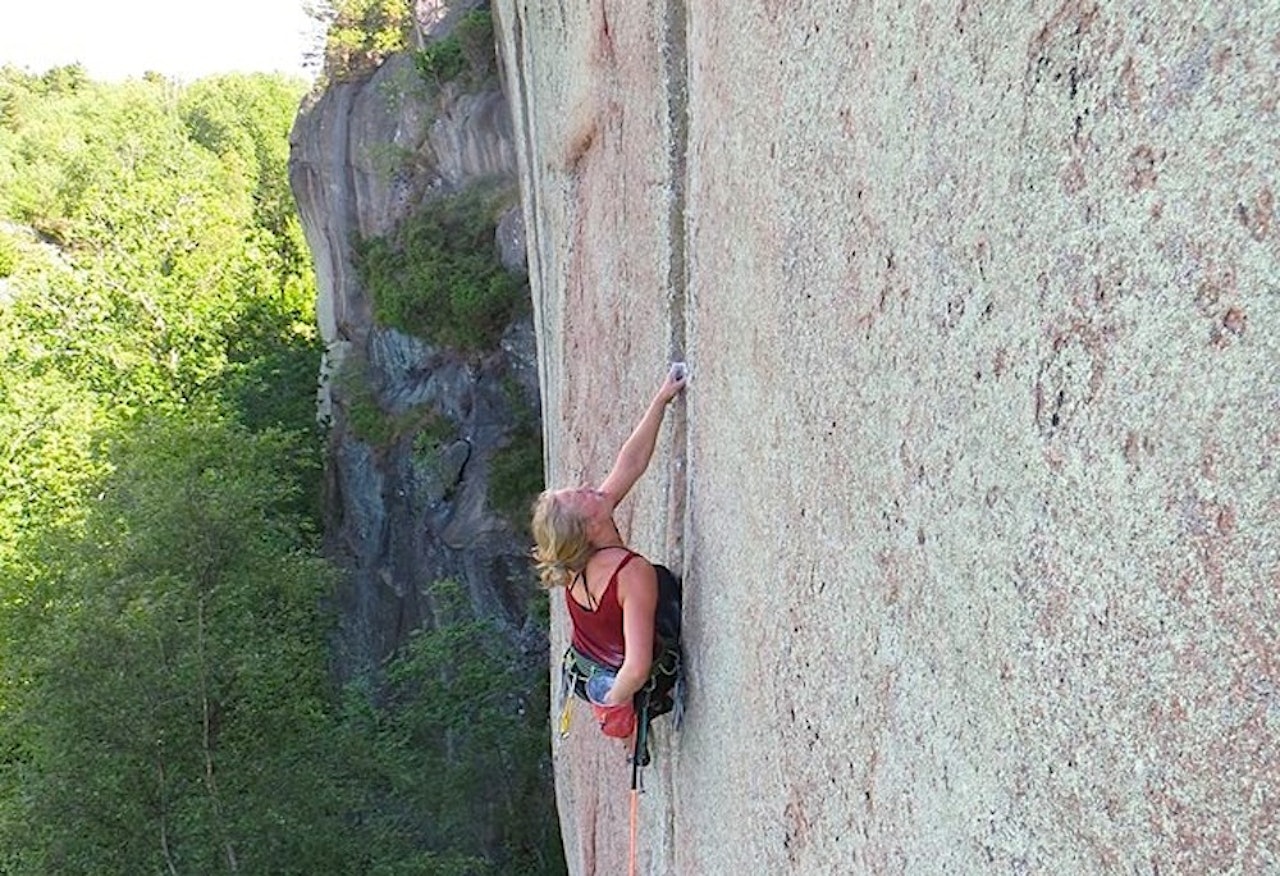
[{"x": 587, "y": 503}]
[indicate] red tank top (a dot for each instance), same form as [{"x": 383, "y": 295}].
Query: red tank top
[{"x": 598, "y": 634}]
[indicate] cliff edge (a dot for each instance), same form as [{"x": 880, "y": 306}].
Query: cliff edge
[{"x": 975, "y": 486}]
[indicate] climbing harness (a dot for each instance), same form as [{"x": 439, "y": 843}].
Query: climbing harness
[{"x": 662, "y": 693}]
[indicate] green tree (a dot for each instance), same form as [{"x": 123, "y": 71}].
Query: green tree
[
  {"x": 468, "y": 49},
  {"x": 176, "y": 217},
  {"x": 177, "y": 678},
  {"x": 361, "y": 34},
  {"x": 439, "y": 277},
  {"x": 162, "y": 654},
  {"x": 165, "y": 696},
  {"x": 462, "y": 757}
]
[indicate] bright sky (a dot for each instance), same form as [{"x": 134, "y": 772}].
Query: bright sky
[{"x": 115, "y": 39}]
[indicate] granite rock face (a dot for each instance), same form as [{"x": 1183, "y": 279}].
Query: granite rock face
[
  {"x": 976, "y": 483},
  {"x": 412, "y": 508}
]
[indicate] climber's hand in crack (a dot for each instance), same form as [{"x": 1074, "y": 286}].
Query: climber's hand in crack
[{"x": 677, "y": 377}]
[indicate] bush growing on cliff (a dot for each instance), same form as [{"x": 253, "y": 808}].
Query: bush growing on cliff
[
  {"x": 516, "y": 475},
  {"x": 366, "y": 418},
  {"x": 467, "y": 50},
  {"x": 438, "y": 277},
  {"x": 442, "y": 61}
]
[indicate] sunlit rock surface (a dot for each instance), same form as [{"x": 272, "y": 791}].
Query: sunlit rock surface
[{"x": 976, "y": 485}]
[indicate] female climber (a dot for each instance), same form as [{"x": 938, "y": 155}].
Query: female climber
[{"x": 614, "y": 595}]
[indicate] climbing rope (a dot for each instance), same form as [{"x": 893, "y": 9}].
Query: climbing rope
[
  {"x": 639, "y": 757},
  {"x": 635, "y": 829}
]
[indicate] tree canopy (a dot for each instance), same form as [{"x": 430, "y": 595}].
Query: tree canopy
[{"x": 166, "y": 704}]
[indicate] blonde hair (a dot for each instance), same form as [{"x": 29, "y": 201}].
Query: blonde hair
[{"x": 562, "y": 548}]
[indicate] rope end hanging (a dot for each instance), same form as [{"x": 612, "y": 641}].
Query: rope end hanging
[{"x": 635, "y": 826}]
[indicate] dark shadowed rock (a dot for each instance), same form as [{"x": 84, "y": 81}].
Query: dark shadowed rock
[
  {"x": 409, "y": 505},
  {"x": 511, "y": 241}
]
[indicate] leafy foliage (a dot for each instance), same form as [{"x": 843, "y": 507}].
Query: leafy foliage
[
  {"x": 439, "y": 276},
  {"x": 165, "y": 697},
  {"x": 516, "y": 473},
  {"x": 458, "y": 712},
  {"x": 366, "y": 418},
  {"x": 181, "y": 657},
  {"x": 474, "y": 33},
  {"x": 144, "y": 215},
  {"x": 8, "y": 255},
  {"x": 467, "y": 49},
  {"x": 441, "y": 61},
  {"x": 361, "y": 34},
  {"x": 162, "y": 647}
]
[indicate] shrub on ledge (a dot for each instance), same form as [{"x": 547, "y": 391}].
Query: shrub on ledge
[{"x": 439, "y": 277}]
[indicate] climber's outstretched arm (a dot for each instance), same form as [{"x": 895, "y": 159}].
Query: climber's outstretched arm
[{"x": 636, "y": 452}]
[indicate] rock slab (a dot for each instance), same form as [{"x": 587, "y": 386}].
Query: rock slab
[{"x": 976, "y": 483}]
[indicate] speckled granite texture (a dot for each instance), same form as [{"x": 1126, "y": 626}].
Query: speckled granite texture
[{"x": 976, "y": 488}]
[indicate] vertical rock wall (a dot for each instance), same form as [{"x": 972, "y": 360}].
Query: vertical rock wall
[
  {"x": 983, "y": 467},
  {"x": 366, "y": 157},
  {"x": 593, "y": 125}
]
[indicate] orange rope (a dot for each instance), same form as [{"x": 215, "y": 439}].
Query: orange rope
[{"x": 635, "y": 823}]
